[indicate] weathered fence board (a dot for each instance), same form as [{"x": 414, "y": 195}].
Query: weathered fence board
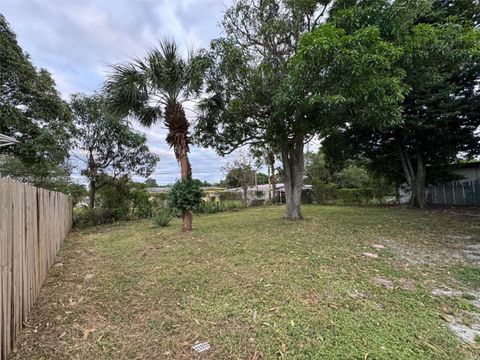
[{"x": 33, "y": 224}]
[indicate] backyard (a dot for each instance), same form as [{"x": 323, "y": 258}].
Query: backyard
[{"x": 345, "y": 283}]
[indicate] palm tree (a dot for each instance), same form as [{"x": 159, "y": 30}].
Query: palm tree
[{"x": 154, "y": 89}]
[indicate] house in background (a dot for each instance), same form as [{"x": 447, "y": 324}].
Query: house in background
[
  {"x": 210, "y": 193},
  {"x": 260, "y": 192}
]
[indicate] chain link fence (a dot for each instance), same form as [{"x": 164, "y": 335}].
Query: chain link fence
[{"x": 458, "y": 193}]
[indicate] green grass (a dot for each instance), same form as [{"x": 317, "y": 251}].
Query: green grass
[
  {"x": 249, "y": 282},
  {"x": 469, "y": 276}
]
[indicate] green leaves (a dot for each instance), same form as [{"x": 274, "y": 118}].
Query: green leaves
[
  {"x": 141, "y": 88},
  {"x": 111, "y": 147},
  {"x": 185, "y": 195},
  {"x": 32, "y": 111},
  {"x": 336, "y": 78},
  {"x": 438, "y": 53}
]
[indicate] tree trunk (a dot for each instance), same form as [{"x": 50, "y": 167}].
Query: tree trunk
[
  {"x": 186, "y": 172},
  {"x": 274, "y": 185},
  {"x": 245, "y": 194},
  {"x": 177, "y": 137},
  {"x": 271, "y": 166},
  {"x": 415, "y": 178},
  {"x": 269, "y": 184},
  {"x": 293, "y": 165},
  {"x": 419, "y": 199},
  {"x": 187, "y": 218},
  {"x": 92, "y": 194}
]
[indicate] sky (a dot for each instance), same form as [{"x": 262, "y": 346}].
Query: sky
[{"x": 76, "y": 40}]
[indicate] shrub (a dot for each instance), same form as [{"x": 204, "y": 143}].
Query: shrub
[
  {"x": 356, "y": 196},
  {"x": 185, "y": 195},
  {"x": 142, "y": 206},
  {"x": 324, "y": 193},
  {"x": 98, "y": 216},
  {"x": 227, "y": 195},
  {"x": 259, "y": 194},
  {"x": 163, "y": 218},
  {"x": 208, "y": 207}
]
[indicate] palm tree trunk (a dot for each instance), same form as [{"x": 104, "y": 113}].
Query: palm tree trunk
[
  {"x": 92, "y": 193},
  {"x": 177, "y": 137},
  {"x": 186, "y": 171}
]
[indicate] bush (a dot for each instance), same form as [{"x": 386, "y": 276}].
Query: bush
[
  {"x": 324, "y": 193},
  {"x": 185, "y": 195},
  {"x": 208, "y": 207},
  {"x": 259, "y": 194},
  {"x": 356, "y": 196},
  {"x": 331, "y": 194},
  {"x": 142, "y": 206},
  {"x": 163, "y": 218},
  {"x": 98, "y": 216},
  {"x": 227, "y": 195}
]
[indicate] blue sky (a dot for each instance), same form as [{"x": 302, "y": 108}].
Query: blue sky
[{"x": 76, "y": 40}]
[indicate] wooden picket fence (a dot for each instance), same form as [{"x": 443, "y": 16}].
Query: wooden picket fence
[{"x": 33, "y": 224}]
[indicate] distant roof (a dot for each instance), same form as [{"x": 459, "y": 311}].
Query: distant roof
[
  {"x": 158, "y": 190},
  {"x": 264, "y": 187},
  {"x": 165, "y": 189}
]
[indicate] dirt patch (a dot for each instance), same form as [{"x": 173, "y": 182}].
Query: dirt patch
[
  {"x": 453, "y": 250},
  {"x": 468, "y": 333},
  {"x": 383, "y": 282},
  {"x": 465, "y": 324}
]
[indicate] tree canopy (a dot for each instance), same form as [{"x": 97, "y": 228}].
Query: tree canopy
[
  {"x": 32, "y": 111},
  {"x": 112, "y": 149},
  {"x": 281, "y": 76},
  {"x": 439, "y": 52}
]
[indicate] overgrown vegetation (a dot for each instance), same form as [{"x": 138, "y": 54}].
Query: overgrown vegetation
[
  {"x": 347, "y": 183},
  {"x": 119, "y": 199}
]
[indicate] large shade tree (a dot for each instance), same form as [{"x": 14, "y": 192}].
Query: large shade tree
[
  {"x": 272, "y": 87},
  {"x": 154, "y": 89},
  {"x": 111, "y": 149},
  {"x": 439, "y": 43},
  {"x": 248, "y": 67}
]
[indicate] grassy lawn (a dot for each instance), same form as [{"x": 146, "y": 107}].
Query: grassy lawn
[{"x": 256, "y": 286}]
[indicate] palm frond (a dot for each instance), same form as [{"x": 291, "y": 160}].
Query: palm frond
[
  {"x": 127, "y": 90},
  {"x": 167, "y": 69}
]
